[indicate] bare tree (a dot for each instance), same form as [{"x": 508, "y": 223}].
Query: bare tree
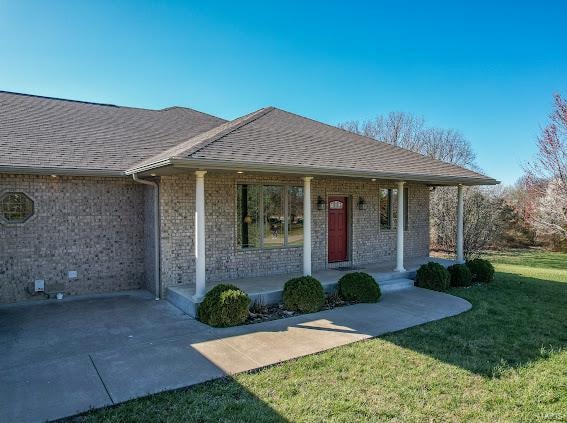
[
  {"x": 396, "y": 128},
  {"x": 409, "y": 132},
  {"x": 483, "y": 222},
  {"x": 482, "y": 209}
]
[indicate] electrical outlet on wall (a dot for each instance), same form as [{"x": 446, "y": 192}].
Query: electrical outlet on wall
[
  {"x": 39, "y": 285},
  {"x": 72, "y": 274}
]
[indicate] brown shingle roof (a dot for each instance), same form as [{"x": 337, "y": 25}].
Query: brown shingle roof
[
  {"x": 42, "y": 132},
  {"x": 275, "y": 138},
  {"x": 54, "y": 134}
]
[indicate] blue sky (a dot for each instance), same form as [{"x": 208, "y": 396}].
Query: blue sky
[{"x": 486, "y": 69}]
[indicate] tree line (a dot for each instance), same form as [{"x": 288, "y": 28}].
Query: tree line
[{"x": 532, "y": 212}]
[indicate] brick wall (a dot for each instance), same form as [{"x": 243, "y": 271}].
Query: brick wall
[
  {"x": 226, "y": 261},
  {"x": 102, "y": 228},
  {"x": 89, "y": 224}
]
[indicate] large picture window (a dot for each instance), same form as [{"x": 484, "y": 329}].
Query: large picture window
[
  {"x": 269, "y": 216},
  {"x": 388, "y": 203}
]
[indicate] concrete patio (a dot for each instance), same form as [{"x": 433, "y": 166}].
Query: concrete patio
[
  {"x": 269, "y": 289},
  {"x": 64, "y": 357}
]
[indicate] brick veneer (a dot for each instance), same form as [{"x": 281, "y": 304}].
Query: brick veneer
[{"x": 89, "y": 224}]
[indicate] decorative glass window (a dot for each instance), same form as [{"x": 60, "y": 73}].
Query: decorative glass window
[
  {"x": 388, "y": 202},
  {"x": 16, "y": 207},
  {"x": 269, "y": 216},
  {"x": 336, "y": 205}
]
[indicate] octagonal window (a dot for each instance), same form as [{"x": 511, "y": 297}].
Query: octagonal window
[{"x": 15, "y": 207}]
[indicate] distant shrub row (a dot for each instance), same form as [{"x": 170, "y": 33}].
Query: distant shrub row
[{"x": 434, "y": 276}]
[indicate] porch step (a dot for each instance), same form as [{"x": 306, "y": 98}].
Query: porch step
[
  {"x": 395, "y": 284},
  {"x": 181, "y": 297},
  {"x": 389, "y": 276}
]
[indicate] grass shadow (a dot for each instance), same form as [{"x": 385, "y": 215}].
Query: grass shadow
[
  {"x": 214, "y": 401},
  {"x": 514, "y": 321}
]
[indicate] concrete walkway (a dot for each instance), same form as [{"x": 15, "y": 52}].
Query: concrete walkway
[{"x": 62, "y": 358}]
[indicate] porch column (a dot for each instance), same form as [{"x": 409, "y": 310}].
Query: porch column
[
  {"x": 460, "y": 220},
  {"x": 199, "y": 235},
  {"x": 307, "y": 225},
  {"x": 400, "y": 230}
]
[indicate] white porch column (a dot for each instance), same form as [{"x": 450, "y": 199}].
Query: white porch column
[
  {"x": 307, "y": 225},
  {"x": 199, "y": 235},
  {"x": 400, "y": 230},
  {"x": 460, "y": 220}
]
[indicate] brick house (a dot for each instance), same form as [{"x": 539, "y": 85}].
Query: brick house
[{"x": 98, "y": 198}]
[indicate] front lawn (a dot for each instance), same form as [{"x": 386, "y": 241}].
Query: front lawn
[{"x": 505, "y": 360}]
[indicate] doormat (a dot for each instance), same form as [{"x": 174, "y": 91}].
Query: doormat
[{"x": 344, "y": 268}]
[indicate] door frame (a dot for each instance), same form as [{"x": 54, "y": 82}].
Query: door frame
[{"x": 348, "y": 260}]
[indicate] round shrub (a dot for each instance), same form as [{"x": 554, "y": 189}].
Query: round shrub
[
  {"x": 482, "y": 270},
  {"x": 460, "y": 275},
  {"x": 359, "y": 286},
  {"x": 433, "y": 276},
  {"x": 224, "y": 305},
  {"x": 304, "y": 294}
]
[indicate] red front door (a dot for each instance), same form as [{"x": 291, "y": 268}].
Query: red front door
[{"x": 337, "y": 207}]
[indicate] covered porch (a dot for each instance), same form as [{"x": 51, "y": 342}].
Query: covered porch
[
  {"x": 399, "y": 269},
  {"x": 269, "y": 289}
]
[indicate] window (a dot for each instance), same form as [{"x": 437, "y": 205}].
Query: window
[
  {"x": 385, "y": 208},
  {"x": 248, "y": 198},
  {"x": 269, "y": 216},
  {"x": 295, "y": 216},
  {"x": 273, "y": 217},
  {"x": 388, "y": 202},
  {"x": 16, "y": 207}
]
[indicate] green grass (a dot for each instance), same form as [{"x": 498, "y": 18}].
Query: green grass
[{"x": 505, "y": 360}]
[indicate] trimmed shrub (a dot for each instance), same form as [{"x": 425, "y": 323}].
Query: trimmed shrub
[
  {"x": 359, "y": 286},
  {"x": 224, "y": 305},
  {"x": 304, "y": 294},
  {"x": 433, "y": 276},
  {"x": 460, "y": 275},
  {"x": 482, "y": 270}
]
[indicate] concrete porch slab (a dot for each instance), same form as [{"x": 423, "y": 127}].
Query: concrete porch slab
[{"x": 269, "y": 289}]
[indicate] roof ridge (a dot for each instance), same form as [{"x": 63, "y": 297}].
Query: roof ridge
[
  {"x": 246, "y": 119},
  {"x": 92, "y": 103},
  {"x": 62, "y": 99},
  {"x": 197, "y": 142},
  {"x": 382, "y": 142},
  {"x": 167, "y": 109}
]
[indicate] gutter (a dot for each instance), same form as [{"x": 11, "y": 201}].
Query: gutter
[
  {"x": 156, "y": 232},
  {"x": 306, "y": 170}
]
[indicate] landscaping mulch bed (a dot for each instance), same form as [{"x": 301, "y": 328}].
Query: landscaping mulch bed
[{"x": 263, "y": 313}]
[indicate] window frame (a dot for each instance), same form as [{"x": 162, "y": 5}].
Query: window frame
[
  {"x": 261, "y": 216},
  {"x": 31, "y": 216}
]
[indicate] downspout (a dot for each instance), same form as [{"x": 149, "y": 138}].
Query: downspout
[{"x": 156, "y": 231}]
